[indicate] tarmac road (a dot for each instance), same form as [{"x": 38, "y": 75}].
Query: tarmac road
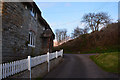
[{"x": 78, "y": 66}]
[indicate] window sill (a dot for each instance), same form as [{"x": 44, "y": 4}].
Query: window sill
[{"x": 31, "y": 45}]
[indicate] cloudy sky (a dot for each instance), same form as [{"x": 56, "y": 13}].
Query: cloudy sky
[{"x": 68, "y": 15}]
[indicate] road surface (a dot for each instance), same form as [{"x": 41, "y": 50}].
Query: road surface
[{"x": 78, "y": 66}]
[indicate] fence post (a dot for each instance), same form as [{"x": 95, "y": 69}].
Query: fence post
[
  {"x": 5, "y": 70},
  {"x": 48, "y": 61},
  {"x": 62, "y": 53},
  {"x": 0, "y": 71},
  {"x": 29, "y": 65},
  {"x": 56, "y": 55}
]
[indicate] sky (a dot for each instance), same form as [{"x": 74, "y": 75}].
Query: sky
[{"x": 68, "y": 15}]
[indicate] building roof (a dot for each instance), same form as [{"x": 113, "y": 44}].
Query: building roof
[{"x": 41, "y": 20}]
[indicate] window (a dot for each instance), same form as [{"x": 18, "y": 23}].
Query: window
[
  {"x": 31, "y": 39},
  {"x": 32, "y": 13},
  {"x": 25, "y": 7}
]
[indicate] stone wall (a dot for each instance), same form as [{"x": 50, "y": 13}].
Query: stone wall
[
  {"x": 38, "y": 71},
  {"x": 0, "y": 32},
  {"x": 16, "y": 25}
]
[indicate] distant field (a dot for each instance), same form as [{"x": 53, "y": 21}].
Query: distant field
[{"x": 107, "y": 61}]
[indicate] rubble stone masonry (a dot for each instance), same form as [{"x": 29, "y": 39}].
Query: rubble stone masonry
[
  {"x": 0, "y": 32},
  {"x": 16, "y": 25}
]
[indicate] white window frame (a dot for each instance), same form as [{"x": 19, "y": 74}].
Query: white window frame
[{"x": 31, "y": 39}]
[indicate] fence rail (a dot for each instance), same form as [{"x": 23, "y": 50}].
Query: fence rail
[{"x": 8, "y": 69}]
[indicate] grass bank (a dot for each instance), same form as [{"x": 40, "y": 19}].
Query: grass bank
[
  {"x": 107, "y": 61},
  {"x": 104, "y": 41}
]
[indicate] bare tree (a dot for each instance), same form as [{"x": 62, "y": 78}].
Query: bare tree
[
  {"x": 64, "y": 34},
  {"x": 61, "y": 35},
  {"x": 77, "y": 32},
  {"x": 57, "y": 31},
  {"x": 95, "y": 20},
  {"x": 85, "y": 30},
  {"x": 89, "y": 19}
]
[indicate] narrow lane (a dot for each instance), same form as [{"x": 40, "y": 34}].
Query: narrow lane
[{"x": 78, "y": 66}]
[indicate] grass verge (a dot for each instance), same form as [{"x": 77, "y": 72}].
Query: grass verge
[{"x": 107, "y": 61}]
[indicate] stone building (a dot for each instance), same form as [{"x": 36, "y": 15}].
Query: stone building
[{"x": 24, "y": 31}]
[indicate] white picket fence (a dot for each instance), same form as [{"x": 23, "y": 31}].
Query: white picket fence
[{"x": 14, "y": 67}]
